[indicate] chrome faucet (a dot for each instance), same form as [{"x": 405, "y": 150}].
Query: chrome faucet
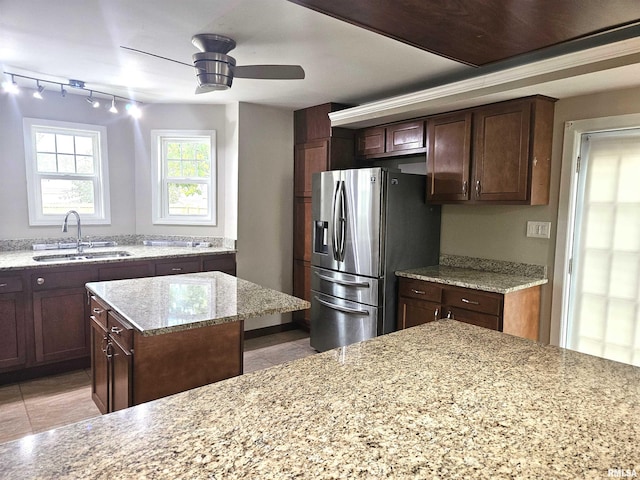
[{"x": 79, "y": 244}]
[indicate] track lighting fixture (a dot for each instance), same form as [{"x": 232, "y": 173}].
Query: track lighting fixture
[
  {"x": 11, "y": 86},
  {"x": 38, "y": 93}
]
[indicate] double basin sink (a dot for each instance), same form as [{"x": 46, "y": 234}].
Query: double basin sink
[{"x": 67, "y": 257}]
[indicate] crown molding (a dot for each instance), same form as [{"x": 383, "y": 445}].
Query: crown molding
[{"x": 423, "y": 102}]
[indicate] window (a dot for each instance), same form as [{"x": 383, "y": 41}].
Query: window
[
  {"x": 66, "y": 166},
  {"x": 183, "y": 177}
]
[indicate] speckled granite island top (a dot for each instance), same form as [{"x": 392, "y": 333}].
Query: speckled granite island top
[
  {"x": 156, "y": 305},
  {"x": 442, "y": 400},
  {"x": 472, "y": 278}
]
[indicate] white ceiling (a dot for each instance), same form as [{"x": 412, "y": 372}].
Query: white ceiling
[{"x": 62, "y": 40}]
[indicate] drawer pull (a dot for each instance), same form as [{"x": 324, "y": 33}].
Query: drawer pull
[
  {"x": 418, "y": 292},
  {"x": 176, "y": 269},
  {"x": 470, "y": 302},
  {"x": 436, "y": 314},
  {"x": 40, "y": 281},
  {"x": 3, "y": 285},
  {"x": 450, "y": 314},
  {"x": 116, "y": 330},
  {"x": 97, "y": 311}
]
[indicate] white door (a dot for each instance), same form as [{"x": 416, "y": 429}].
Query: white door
[{"x": 603, "y": 315}]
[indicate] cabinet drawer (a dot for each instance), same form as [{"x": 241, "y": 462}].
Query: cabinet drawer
[
  {"x": 98, "y": 312},
  {"x": 126, "y": 270},
  {"x": 419, "y": 289},
  {"x": 45, "y": 280},
  {"x": 222, "y": 263},
  {"x": 10, "y": 284},
  {"x": 120, "y": 331},
  {"x": 174, "y": 268},
  {"x": 474, "y": 318},
  {"x": 473, "y": 300}
]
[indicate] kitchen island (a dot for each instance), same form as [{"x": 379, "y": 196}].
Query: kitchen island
[
  {"x": 440, "y": 400},
  {"x": 156, "y": 336}
]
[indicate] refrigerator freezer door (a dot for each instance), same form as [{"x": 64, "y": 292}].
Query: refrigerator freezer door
[
  {"x": 347, "y": 286},
  {"x": 336, "y": 322}
]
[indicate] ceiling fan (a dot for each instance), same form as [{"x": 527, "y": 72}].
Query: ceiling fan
[{"x": 215, "y": 69}]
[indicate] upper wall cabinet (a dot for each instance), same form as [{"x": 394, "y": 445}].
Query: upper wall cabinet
[
  {"x": 495, "y": 154},
  {"x": 391, "y": 140}
]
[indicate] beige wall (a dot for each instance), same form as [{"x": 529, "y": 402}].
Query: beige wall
[
  {"x": 499, "y": 232},
  {"x": 265, "y": 202}
]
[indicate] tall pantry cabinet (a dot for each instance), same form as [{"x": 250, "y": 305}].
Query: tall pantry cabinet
[{"x": 318, "y": 148}]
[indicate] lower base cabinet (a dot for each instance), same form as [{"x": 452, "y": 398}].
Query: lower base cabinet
[
  {"x": 516, "y": 313},
  {"x": 129, "y": 368}
]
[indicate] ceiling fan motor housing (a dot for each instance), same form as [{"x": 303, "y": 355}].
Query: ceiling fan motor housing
[{"x": 214, "y": 70}]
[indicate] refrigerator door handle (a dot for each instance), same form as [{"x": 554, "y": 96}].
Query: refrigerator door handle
[
  {"x": 335, "y": 222},
  {"x": 346, "y": 283},
  {"x": 343, "y": 219},
  {"x": 351, "y": 311}
]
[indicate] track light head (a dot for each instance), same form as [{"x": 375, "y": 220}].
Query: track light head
[
  {"x": 94, "y": 103},
  {"x": 113, "y": 108},
  {"x": 38, "y": 93},
  {"x": 11, "y": 86},
  {"x": 63, "y": 92}
]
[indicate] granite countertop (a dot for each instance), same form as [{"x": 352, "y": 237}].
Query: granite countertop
[
  {"x": 473, "y": 278},
  {"x": 441, "y": 400},
  {"x": 23, "y": 259},
  {"x": 163, "y": 304}
]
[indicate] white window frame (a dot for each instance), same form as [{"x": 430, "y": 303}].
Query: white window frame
[
  {"x": 160, "y": 208},
  {"x": 100, "y": 177}
]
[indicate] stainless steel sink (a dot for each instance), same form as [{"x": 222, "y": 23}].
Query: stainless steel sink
[{"x": 71, "y": 257}]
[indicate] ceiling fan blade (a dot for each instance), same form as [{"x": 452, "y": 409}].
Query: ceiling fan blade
[
  {"x": 269, "y": 72},
  {"x": 157, "y": 56},
  {"x": 208, "y": 88}
]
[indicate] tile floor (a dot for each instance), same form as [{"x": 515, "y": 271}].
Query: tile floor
[{"x": 42, "y": 404}]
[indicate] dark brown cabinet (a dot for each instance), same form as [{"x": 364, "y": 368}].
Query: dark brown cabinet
[
  {"x": 494, "y": 154},
  {"x": 43, "y": 312},
  {"x": 516, "y": 313},
  {"x": 12, "y": 323},
  {"x": 318, "y": 147},
  {"x": 391, "y": 140}
]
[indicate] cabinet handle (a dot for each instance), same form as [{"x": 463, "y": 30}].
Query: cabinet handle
[
  {"x": 478, "y": 188},
  {"x": 97, "y": 311},
  {"x": 450, "y": 314},
  {"x": 109, "y": 351},
  {"x": 176, "y": 269},
  {"x": 418, "y": 292},
  {"x": 2, "y": 285},
  {"x": 436, "y": 314},
  {"x": 116, "y": 330},
  {"x": 464, "y": 187},
  {"x": 470, "y": 302},
  {"x": 40, "y": 281}
]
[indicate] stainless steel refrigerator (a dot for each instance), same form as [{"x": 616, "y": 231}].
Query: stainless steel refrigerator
[{"x": 367, "y": 223}]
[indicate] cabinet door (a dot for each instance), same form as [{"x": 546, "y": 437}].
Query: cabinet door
[
  {"x": 370, "y": 141},
  {"x": 60, "y": 324},
  {"x": 302, "y": 289},
  {"x": 121, "y": 365},
  {"x": 12, "y": 331},
  {"x": 404, "y": 136},
  {"x": 501, "y": 152},
  {"x": 99, "y": 366},
  {"x": 225, "y": 263},
  {"x": 412, "y": 312},
  {"x": 302, "y": 229},
  {"x": 448, "y": 157},
  {"x": 309, "y": 158}
]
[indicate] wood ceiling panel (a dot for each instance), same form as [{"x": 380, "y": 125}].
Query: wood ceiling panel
[{"x": 479, "y": 32}]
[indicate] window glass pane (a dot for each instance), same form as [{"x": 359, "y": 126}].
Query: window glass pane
[
  {"x": 189, "y": 169},
  {"x": 203, "y": 169},
  {"x": 66, "y": 164},
  {"x": 174, "y": 168},
  {"x": 60, "y": 196},
  {"x": 173, "y": 150},
  {"x": 65, "y": 143},
  {"x": 188, "y": 151},
  {"x": 45, "y": 142},
  {"x": 46, "y": 162},
  {"x": 188, "y": 199},
  {"x": 202, "y": 152},
  {"x": 84, "y": 164},
  {"x": 84, "y": 146}
]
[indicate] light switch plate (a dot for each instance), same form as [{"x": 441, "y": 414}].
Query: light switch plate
[{"x": 539, "y": 229}]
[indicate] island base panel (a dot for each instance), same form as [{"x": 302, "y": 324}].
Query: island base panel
[{"x": 173, "y": 362}]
